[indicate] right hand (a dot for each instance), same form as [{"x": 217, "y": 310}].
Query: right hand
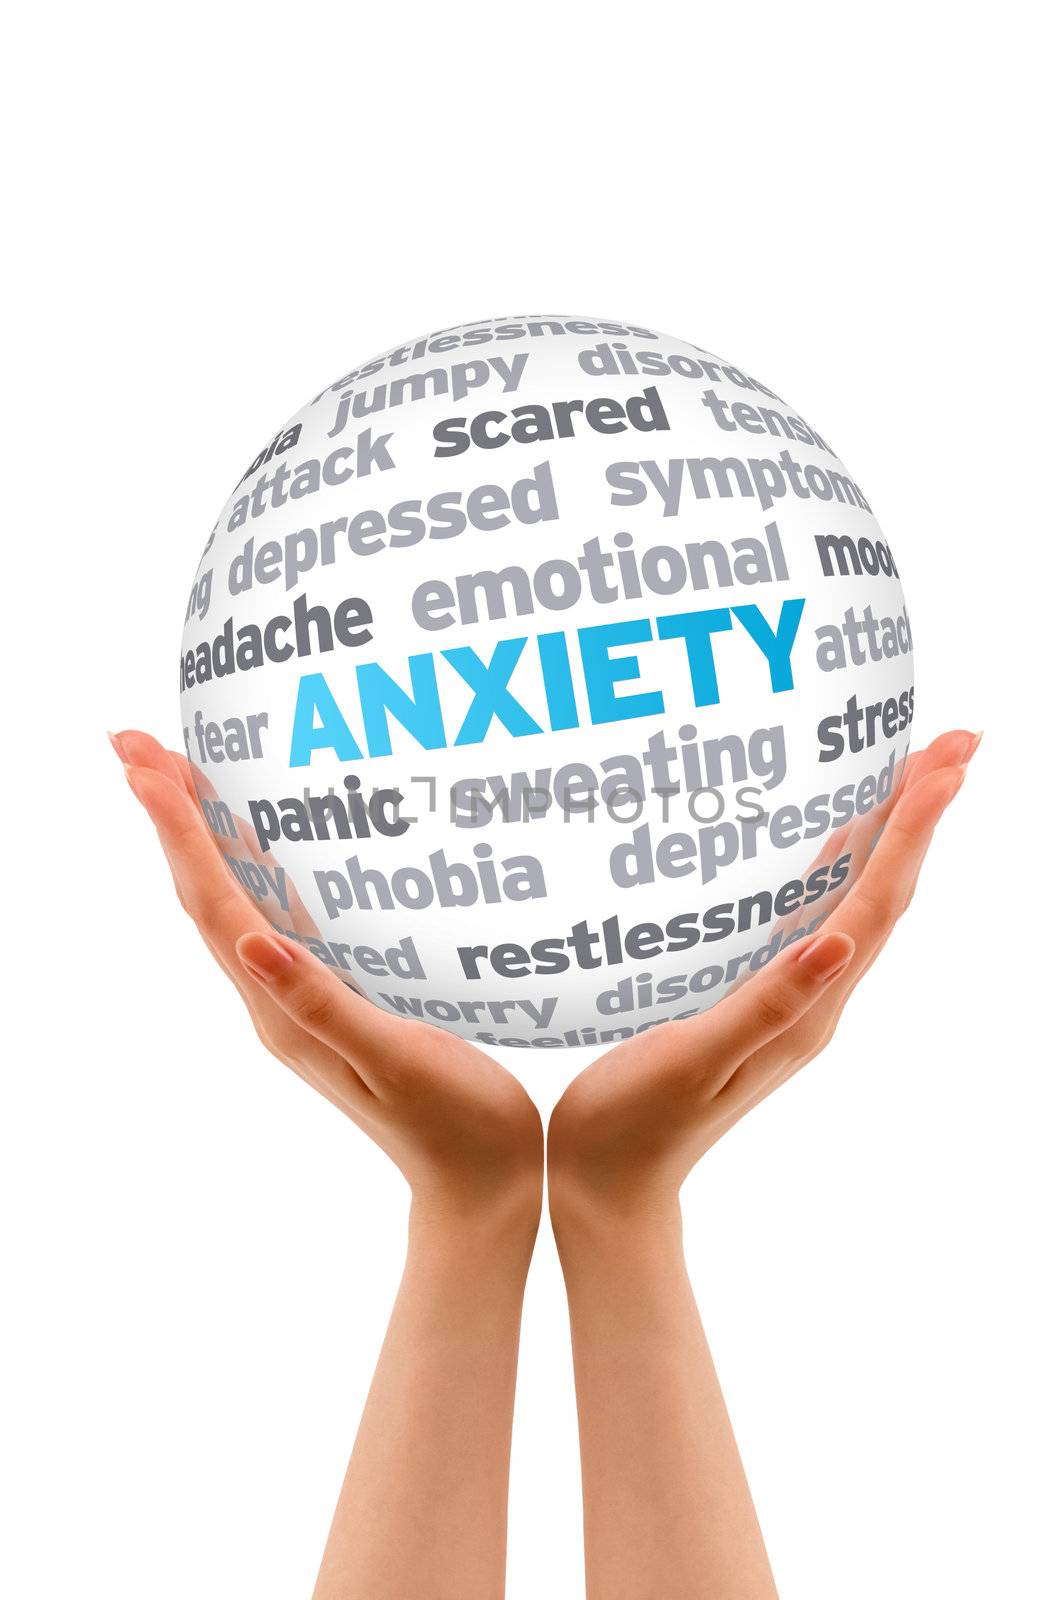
[{"x": 629, "y": 1129}]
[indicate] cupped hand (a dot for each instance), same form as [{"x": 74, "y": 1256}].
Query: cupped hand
[
  {"x": 629, "y": 1129},
  {"x": 462, "y": 1130}
]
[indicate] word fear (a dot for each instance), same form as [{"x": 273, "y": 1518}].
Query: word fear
[{"x": 234, "y": 739}]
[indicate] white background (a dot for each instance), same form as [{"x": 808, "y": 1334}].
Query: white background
[{"x": 216, "y": 210}]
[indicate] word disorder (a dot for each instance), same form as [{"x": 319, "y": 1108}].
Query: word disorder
[{"x": 540, "y": 675}]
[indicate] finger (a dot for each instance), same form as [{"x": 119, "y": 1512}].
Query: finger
[
  {"x": 201, "y": 790},
  {"x": 183, "y": 766},
  {"x": 834, "y": 845},
  {"x": 864, "y": 832},
  {"x": 221, "y": 913},
  {"x": 298, "y": 912},
  {"x": 871, "y": 909},
  {"x": 748, "y": 1018},
  {"x": 954, "y": 748},
  {"x": 206, "y": 883},
  {"x": 766, "y": 1070},
  {"x": 768, "y": 1067},
  {"x": 857, "y": 837},
  {"x": 313, "y": 997},
  {"x": 217, "y": 905},
  {"x": 137, "y": 749},
  {"x": 884, "y": 888},
  {"x": 229, "y": 903},
  {"x": 951, "y": 749},
  {"x": 976, "y": 740},
  {"x": 203, "y": 883},
  {"x": 870, "y": 922}
]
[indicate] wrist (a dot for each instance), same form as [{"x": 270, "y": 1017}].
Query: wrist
[
  {"x": 615, "y": 1220},
  {"x": 501, "y": 1218}
]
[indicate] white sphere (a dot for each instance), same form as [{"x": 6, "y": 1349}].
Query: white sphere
[{"x": 545, "y": 677}]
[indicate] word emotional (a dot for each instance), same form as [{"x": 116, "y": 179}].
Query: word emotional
[{"x": 319, "y": 724}]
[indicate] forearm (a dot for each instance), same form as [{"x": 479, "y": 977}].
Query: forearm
[
  {"x": 423, "y": 1509},
  {"x": 667, "y": 1508}
]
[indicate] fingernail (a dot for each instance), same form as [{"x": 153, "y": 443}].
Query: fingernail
[
  {"x": 825, "y": 956},
  {"x": 115, "y": 739},
  {"x": 265, "y": 957},
  {"x": 134, "y": 777},
  {"x": 973, "y": 746},
  {"x": 955, "y": 783}
]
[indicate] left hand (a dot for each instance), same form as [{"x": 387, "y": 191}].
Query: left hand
[{"x": 463, "y": 1131}]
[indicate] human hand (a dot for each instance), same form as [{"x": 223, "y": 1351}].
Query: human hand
[
  {"x": 462, "y": 1130},
  {"x": 629, "y": 1129}
]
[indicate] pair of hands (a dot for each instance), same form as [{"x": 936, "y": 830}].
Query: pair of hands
[{"x": 629, "y": 1129}]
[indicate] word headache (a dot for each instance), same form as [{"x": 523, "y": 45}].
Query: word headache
[
  {"x": 319, "y": 724},
  {"x": 315, "y": 629}
]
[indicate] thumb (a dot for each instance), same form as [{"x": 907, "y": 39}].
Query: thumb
[{"x": 776, "y": 998}]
